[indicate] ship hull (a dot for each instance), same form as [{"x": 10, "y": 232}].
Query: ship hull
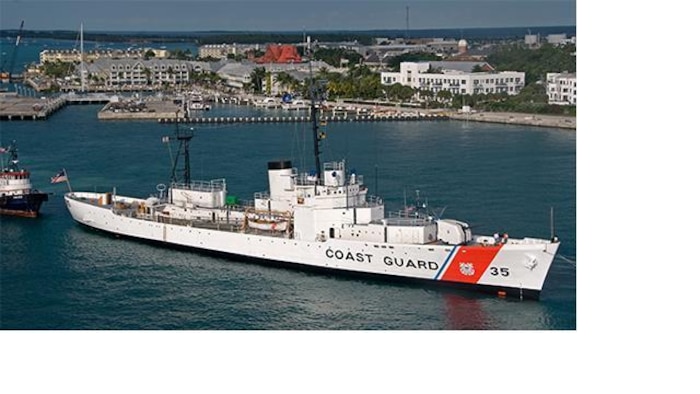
[
  {"x": 506, "y": 269},
  {"x": 23, "y": 205}
]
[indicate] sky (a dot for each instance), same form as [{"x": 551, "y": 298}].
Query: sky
[{"x": 276, "y": 15}]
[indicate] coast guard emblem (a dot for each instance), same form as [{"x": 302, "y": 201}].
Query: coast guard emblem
[{"x": 466, "y": 269}]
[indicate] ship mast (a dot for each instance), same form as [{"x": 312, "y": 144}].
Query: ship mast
[
  {"x": 82, "y": 61},
  {"x": 12, "y": 160},
  {"x": 313, "y": 91},
  {"x": 183, "y": 151}
]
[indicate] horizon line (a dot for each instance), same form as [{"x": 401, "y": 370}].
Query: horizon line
[{"x": 291, "y": 31}]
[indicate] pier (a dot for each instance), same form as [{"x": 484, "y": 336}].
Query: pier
[
  {"x": 16, "y": 107},
  {"x": 146, "y": 109},
  {"x": 558, "y": 121},
  {"x": 13, "y": 107},
  {"x": 301, "y": 119}
]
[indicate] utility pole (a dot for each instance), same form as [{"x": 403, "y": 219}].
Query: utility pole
[{"x": 407, "y": 13}]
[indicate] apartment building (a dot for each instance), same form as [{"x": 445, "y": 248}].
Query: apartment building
[
  {"x": 73, "y": 55},
  {"x": 433, "y": 77},
  {"x": 136, "y": 72},
  {"x": 217, "y": 51},
  {"x": 561, "y": 88}
]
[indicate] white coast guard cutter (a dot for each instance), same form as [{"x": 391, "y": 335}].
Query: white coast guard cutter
[{"x": 325, "y": 220}]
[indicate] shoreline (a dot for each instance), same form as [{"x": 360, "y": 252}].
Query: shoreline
[
  {"x": 14, "y": 107},
  {"x": 558, "y": 121}
]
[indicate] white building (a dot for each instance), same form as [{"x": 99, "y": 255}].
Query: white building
[
  {"x": 73, "y": 55},
  {"x": 416, "y": 75},
  {"x": 217, "y": 51},
  {"x": 561, "y": 88},
  {"x": 237, "y": 74},
  {"x": 560, "y": 39},
  {"x": 532, "y": 39},
  {"x": 134, "y": 72}
]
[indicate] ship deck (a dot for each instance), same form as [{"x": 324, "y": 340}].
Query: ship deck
[{"x": 133, "y": 210}]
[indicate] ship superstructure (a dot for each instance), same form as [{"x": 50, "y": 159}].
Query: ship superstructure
[{"x": 17, "y": 196}]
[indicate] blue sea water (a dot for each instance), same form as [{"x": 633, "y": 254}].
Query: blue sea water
[{"x": 55, "y": 274}]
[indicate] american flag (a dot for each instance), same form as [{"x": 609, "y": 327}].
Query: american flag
[{"x": 60, "y": 177}]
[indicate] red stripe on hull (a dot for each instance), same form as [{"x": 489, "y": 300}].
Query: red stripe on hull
[{"x": 469, "y": 263}]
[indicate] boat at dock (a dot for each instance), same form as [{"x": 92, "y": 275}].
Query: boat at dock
[
  {"x": 196, "y": 103},
  {"x": 324, "y": 219},
  {"x": 17, "y": 196},
  {"x": 268, "y": 102},
  {"x": 296, "y": 105}
]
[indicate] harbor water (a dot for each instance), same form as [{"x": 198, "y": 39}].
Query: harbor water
[{"x": 55, "y": 274}]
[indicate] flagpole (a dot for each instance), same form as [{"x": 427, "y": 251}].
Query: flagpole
[{"x": 70, "y": 189}]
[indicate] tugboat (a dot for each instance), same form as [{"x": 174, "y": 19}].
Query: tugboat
[
  {"x": 321, "y": 220},
  {"x": 17, "y": 198}
]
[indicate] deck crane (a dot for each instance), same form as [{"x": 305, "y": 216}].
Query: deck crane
[{"x": 6, "y": 73}]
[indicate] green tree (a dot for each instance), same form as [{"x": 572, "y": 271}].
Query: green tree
[
  {"x": 444, "y": 96},
  {"x": 426, "y": 94},
  {"x": 58, "y": 69},
  {"x": 400, "y": 92},
  {"x": 333, "y": 56},
  {"x": 179, "y": 54},
  {"x": 149, "y": 76},
  {"x": 285, "y": 81},
  {"x": 536, "y": 63},
  {"x": 256, "y": 79}
]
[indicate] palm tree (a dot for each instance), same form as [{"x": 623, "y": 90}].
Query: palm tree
[
  {"x": 257, "y": 77},
  {"x": 285, "y": 80},
  {"x": 148, "y": 73},
  {"x": 444, "y": 96}
]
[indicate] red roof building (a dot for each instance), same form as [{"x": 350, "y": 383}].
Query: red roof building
[{"x": 280, "y": 54}]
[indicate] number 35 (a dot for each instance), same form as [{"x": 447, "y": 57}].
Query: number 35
[{"x": 503, "y": 271}]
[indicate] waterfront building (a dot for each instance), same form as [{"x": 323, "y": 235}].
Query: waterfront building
[
  {"x": 56, "y": 55},
  {"x": 455, "y": 77},
  {"x": 280, "y": 54},
  {"x": 158, "y": 53},
  {"x": 217, "y": 51},
  {"x": 237, "y": 74},
  {"x": 73, "y": 55},
  {"x": 561, "y": 88},
  {"x": 139, "y": 72}
]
